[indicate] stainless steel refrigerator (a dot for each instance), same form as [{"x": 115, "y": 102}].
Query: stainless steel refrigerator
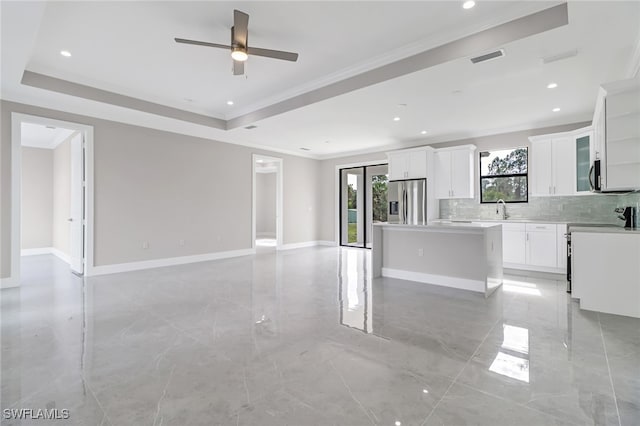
[{"x": 407, "y": 201}]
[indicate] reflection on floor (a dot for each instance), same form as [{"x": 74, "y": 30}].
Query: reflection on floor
[
  {"x": 265, "y": 242},
  {"x": 307, "y": 337}
]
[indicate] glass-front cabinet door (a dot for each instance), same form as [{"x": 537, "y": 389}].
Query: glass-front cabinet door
[{"x": 583, "y": 162}]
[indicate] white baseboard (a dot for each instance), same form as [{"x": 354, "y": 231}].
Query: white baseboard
[
  {"x": 8, "y": 282},
  {"x": 171, "y": 261},
  {"x": 531, "y": 268},
  {"x": 441, "y": 280},
  {"x": 46, "y": 250},
  {"x": 36, "y": 251},
  {"x": 60, "y": 255},
  {"x": 306, "y": 244},
  {"x": 327, "y": 243}
]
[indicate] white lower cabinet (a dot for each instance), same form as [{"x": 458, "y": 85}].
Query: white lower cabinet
[
  {"x": 542, "y": 246},
  {"x": 513, "y": 243},
  {"x": 534, "y": 246}
]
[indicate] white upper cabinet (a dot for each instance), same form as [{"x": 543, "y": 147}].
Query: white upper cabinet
[
  {"x": 407, "y": 164},
  {"x": 563, "y": 160},
  {"x": 553, "y": 165},
  {"x": 616, "y": 124},
  {"x": 622, "y": 141},
  {"x": 454, "y": 169},
  {"x": 442, "y": 161}
]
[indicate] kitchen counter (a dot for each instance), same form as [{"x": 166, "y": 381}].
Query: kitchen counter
[
  {"x": 516, "y": 220},
  {"x": 441, "y": 226},
  {"x": 466, "y": 256},
  {"x": 605, "y": 230}
]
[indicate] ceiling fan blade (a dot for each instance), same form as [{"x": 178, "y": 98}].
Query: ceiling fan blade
[
  {"x": 238, "y": 68},
  {"x": 240, "y": 28},
  {"x": 275, "y": 54},
  {"x": 202, "y": 43}
]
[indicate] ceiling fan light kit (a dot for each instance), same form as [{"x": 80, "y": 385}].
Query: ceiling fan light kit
[
  {"x": 240, "y": 50},
  {"x": 239, "y": 54}
]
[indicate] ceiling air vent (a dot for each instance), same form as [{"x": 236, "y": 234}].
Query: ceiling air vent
[
  {"x": 251, "y": 127},
  {"x": 492, "y": 55}
]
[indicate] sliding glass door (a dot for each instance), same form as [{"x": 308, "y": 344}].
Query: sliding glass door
[{"x": 363, "y": 201}]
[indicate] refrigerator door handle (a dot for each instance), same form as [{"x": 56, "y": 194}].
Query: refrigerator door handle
[
  {"x": 405, "y": 200},
  {"x": 424, "y": 203}
]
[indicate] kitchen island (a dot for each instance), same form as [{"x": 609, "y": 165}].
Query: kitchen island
[{"x": 466, "y": 256}]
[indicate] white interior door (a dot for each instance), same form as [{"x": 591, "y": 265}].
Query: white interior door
[{"x": 76, "y": 239}]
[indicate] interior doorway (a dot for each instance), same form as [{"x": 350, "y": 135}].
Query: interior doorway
[
  {"x": 52, "y": 192},
  {"x": 267, "y": 202},
  {"x": 363, "y": 202}
]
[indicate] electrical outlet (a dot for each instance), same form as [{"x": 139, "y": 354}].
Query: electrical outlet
[
  {"x": 420, "y": 252},
  {"x": 145, "y": 245},
  {"x": 181, "y": 242}
]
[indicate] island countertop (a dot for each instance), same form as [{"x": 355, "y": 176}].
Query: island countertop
[{"x": 438, "y": 226}]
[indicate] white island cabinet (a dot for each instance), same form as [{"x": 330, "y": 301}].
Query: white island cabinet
[
  {"x": 605, "y": 271},
  {"x": 465, "y": 256}
]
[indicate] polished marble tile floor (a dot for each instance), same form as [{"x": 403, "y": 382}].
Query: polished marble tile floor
[{"x": 306, "y": 337}]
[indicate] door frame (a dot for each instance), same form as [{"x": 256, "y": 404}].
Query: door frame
[
  {"x": 337, "y": 214},
  {"x": 16, "y": 185},
  {"x": 279, "y": 197}
]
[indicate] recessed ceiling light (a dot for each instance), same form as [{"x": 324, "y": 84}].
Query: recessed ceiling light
[
  {"x": 229, "y": 102},
  {"x": 398, "y": 423},
  {"x": 468, "y": 4},
  {"x": 396, "y": 118},
  {"x": 65, "y": 53},
  {"x": 50, "y": 127},
  {"x": 188, "y": 99},
  {"x": 251, "y": 127},
  {"x": 552, "y": 85},
  {"x": 259, "y": 160},
  {"x": 425, "y": 391},
  {"x": 305, "y": 149},
  {"x": 402, "y": 105},
  {"x": 424, "y": 132},
  {"x": 327, "y": 141},
  {"x": 556, "y": 109}
]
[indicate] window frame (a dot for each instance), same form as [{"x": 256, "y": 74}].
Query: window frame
[{"x": 502, "y": 176}]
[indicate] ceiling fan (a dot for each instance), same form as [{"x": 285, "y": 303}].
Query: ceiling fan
[{"x": 240, "y": 50}]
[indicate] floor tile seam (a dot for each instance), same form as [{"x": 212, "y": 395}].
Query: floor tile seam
[
  {"x": 344, "y": 383},
  {"x": 95, "y": 397},
  {"x": 520, "y": 404},
  {"x": 162, "y": 397},
  {"x": 454, "y": 381},
  {"x": 606, "y": 357}
]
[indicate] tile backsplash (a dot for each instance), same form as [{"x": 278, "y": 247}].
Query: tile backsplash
[{"x": 591, "y": 208}]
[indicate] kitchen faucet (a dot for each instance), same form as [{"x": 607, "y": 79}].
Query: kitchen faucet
[{"x": 504, "y": 208}]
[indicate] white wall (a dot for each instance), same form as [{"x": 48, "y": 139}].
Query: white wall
[
  {"x": 162, "y": 187},
  {"x": 62, "y": 196},
  {"x": 266, "y": 205},
  {"x": 37, "y": 198}
]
